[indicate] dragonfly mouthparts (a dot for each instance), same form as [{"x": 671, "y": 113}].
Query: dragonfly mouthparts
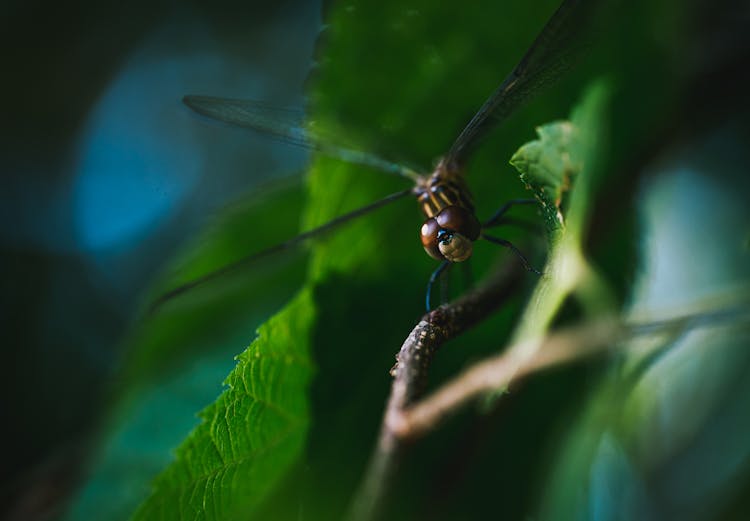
[
  {"x": 445, "y": 236},
  {"x": 454, "y": 246}
]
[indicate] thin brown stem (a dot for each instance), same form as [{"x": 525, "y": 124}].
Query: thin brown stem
[
  {"x": 406, "y": 419},
  {"x": 410, "y": 376},
  {"x": 497, "y": 372},
  {"x": 562, "y": 347}
]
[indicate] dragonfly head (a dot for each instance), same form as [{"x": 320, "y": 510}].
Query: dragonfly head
[{"x": 450, "y": 235}]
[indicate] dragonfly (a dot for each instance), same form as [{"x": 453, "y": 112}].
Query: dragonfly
[{"x": 450, "y": 227}]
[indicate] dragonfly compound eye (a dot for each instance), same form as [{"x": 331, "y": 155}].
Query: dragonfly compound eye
[
  {"x": 429, "y": 236},
  {"x": 459, "y": 220}
]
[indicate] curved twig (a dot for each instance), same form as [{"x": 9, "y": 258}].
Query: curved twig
[
  {"x": 406, "y": 419},
  {"x": 410, "y": 376},
  {"x": 564, "y": 346}
]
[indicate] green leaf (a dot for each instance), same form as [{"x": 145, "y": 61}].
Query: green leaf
[
  {"x": 250, "y": 436},
  {"x": 547, "y": 166},
  {"x": 566, "y": 158},
  {"x": 177, "y": 358},
  {"x": 591, "y": 143}
]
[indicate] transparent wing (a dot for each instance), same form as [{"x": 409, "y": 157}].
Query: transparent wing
[
  {"x": 289, "y": 243},
  {"x": 550, "y": 55},
  {"x": 287, "y": 125}
]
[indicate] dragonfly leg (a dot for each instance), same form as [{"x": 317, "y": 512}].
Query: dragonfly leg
[
  {"x": 435, "y": 274},
  {"x": 523, "y": 224},
  {"x": 496, "y": 218},
  {"x": 508, "y": 244}
]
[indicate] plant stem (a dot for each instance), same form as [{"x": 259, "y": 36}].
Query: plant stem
[
  {"x": 410, "y": 377},
  {"x": 561, "y": 347}
]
